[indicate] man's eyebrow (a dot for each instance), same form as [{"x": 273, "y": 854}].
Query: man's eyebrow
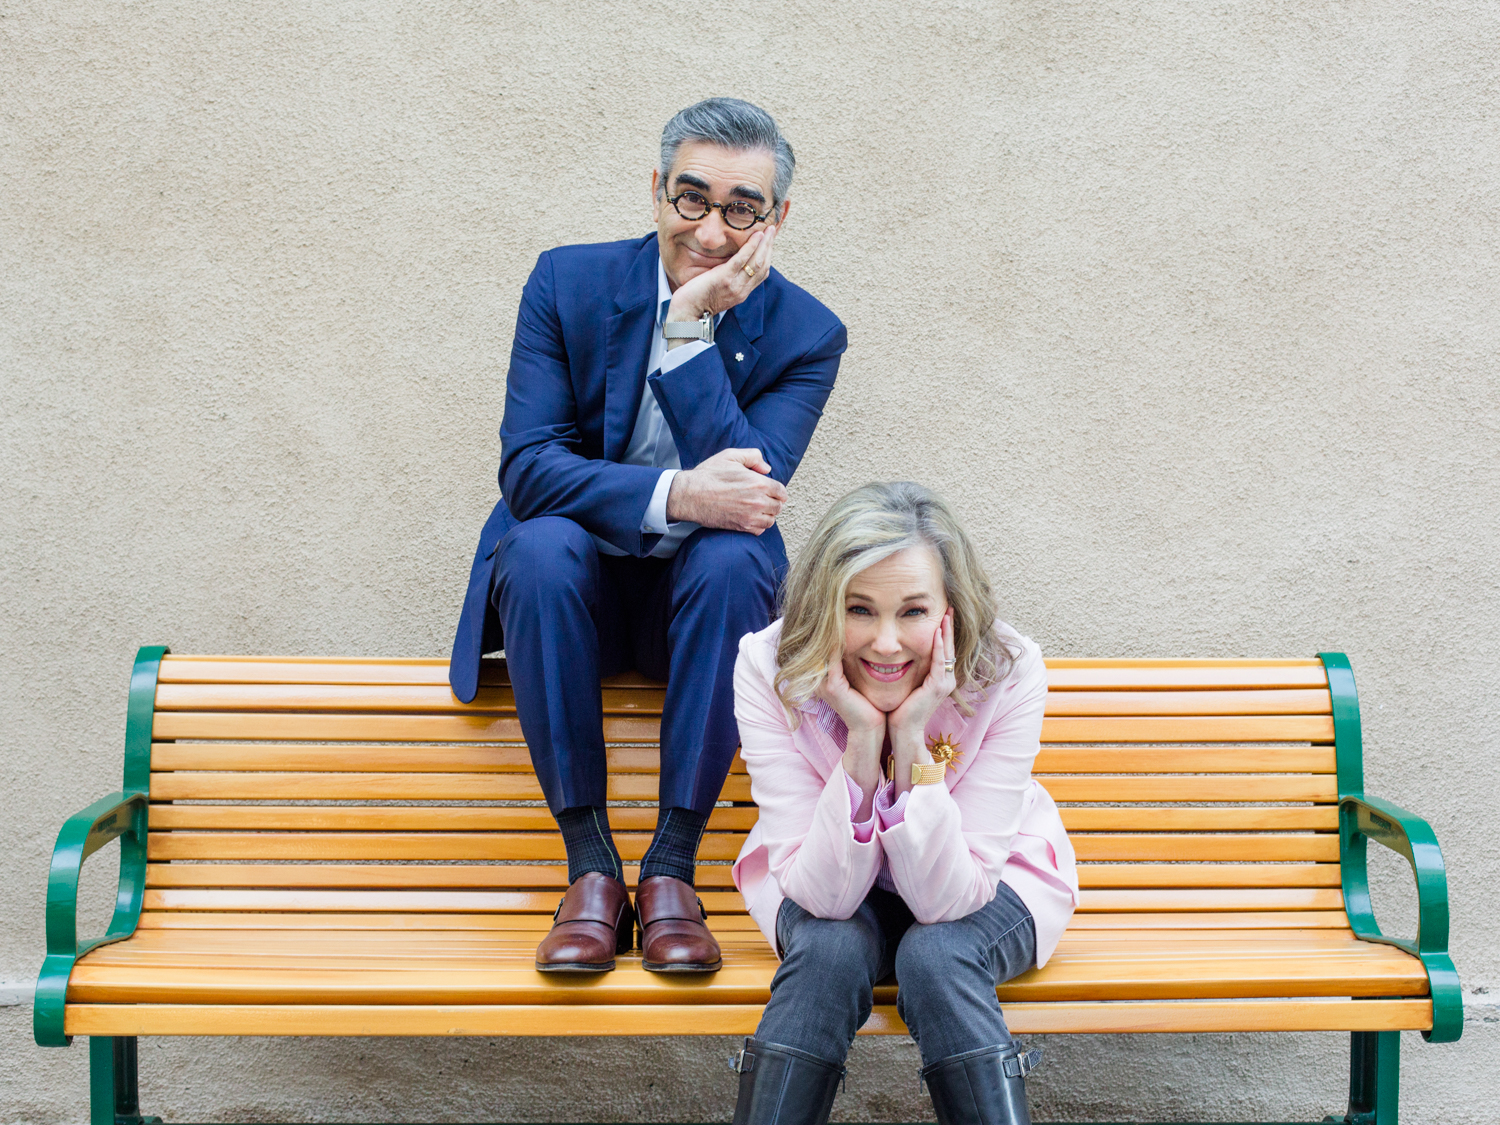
[{"x": 697, "y": 183}]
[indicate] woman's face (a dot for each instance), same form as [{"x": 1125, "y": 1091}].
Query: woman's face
[{"x": 891, "y": 611}]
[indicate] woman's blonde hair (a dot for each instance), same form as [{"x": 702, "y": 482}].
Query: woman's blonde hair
[{"x": 868, "y": 525}]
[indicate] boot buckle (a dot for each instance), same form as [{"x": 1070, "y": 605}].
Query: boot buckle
[{"x": 1019, "y": 1066}]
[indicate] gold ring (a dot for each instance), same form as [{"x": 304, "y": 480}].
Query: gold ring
[
  {"x": 750, "y": 269},
  {"x": 948, "y": 665}
]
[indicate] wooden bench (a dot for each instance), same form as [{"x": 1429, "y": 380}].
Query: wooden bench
[{"x": 338, "y": 847}]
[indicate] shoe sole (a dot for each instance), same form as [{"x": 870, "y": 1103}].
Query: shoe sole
[
  {"x": 578, "y": 967},
  {"x": 662, "y": 967}
]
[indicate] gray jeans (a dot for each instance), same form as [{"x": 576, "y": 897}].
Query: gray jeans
[{"x": 946, "y": 974}]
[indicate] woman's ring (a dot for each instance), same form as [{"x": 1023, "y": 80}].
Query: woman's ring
[{"x": 948, "y": 666}]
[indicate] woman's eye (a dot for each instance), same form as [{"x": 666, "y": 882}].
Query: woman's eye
[
  {"x": 916, "y": 611},
  {"x": 859, "y": 609}
]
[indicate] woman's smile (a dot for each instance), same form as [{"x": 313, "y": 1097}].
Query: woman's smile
[{"x": 885, "y": 673}]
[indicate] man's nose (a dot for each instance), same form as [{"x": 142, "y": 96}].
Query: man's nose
[{"x": 711, "y": 232}]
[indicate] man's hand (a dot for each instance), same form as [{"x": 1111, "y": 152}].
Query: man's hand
[
  {"x": 730, "y": 490},
  {"x": 725, "y": 285}
]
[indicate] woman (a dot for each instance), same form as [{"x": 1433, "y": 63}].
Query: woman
[{"x": 871, "y": 854}]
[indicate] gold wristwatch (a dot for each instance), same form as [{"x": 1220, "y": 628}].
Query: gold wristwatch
[{"x": 930, "y": 774}]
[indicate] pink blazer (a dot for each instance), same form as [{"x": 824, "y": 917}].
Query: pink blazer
[{"x": 944, "y": 847}]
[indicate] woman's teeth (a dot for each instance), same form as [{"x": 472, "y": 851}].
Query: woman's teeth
[{"x": 887, "y": 672}]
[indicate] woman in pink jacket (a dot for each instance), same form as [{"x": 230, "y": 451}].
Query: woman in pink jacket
[{"x": 889, "y": 722}]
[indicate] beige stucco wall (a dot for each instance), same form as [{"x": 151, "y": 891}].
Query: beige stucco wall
[{"x": 1190, "y": 307}]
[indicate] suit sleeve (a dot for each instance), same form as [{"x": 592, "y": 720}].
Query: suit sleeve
[
  {"x": 542, "y": 472},
  {"x": 699, "y": 405}
]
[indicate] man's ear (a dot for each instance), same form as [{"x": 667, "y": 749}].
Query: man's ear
[
  {"x": 656, "y": 195},
  {"x": 786, "y": 206}
]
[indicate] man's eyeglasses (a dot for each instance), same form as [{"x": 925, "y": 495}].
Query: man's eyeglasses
[{"x": 738, "y": 214}]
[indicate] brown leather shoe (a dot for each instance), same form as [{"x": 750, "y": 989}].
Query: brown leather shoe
[
  {"x": 593, "y": 922},
  {"x": 673, "y": 936}
]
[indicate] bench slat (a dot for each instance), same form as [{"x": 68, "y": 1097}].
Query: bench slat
[
  {"x": 252, "y": 726},
  {"x": 676, "y": 1019},
  {"x": 402, "y": 845},
  {"x": 185, "y": 785},
  {"x": 543, "y": 902},
  {"x": 423, "y": 699},
  {"x": 511, "y": 758},
  {"x": 345, "y": 818},
  {"x": 534, "y": 876},
  {"x": 507, "y": 975},
  {"x": 381, "y": 698},
  {"x": 1063, "y": 673},
  {"x": 1118, "y": 788},
  {"x": 554, "y": 876},
  {"x": 515, "y": 758},
  {"x": 428, "y": 819},
  {"x": 716, "y": 845}
]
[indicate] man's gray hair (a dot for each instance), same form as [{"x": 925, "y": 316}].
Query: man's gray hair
[{"x": 733, "y": 124}]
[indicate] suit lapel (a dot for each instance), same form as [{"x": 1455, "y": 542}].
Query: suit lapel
[
  {"x": 628, "y": 350},
  {"x": 740, "y": 326}
]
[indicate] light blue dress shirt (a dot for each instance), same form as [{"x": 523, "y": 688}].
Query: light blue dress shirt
[{"x": 651, "y": 441}]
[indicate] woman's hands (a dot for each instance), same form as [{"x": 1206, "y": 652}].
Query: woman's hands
[
  {"x": 866, "y": 724},
  {"x": 908, "y": 723}
]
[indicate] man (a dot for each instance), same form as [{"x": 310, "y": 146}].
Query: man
[{"x": 661, "y": 392}]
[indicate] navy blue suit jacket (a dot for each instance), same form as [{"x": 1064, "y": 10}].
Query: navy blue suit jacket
[{"x": 577, "y": 369}]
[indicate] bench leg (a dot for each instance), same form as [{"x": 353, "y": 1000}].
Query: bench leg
[
  {"x": 1374, "y": 1078},
  {"x": 114, "y": 1090}
]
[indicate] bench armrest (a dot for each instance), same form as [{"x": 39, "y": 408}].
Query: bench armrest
[
  {"x": 120, "y": 815},
  {"x": 1369, "y": 818}
]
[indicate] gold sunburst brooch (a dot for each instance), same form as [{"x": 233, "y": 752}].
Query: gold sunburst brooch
[{"x": 944, "y": 749}]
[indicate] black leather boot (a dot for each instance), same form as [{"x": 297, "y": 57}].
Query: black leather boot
[
  {"x": 783, "y": 1086},
  {"x": 983, "y": 1087}
]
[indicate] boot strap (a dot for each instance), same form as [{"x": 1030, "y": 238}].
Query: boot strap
[
  {"x": 1016, "y": 1066},
  {"x": 1019, "y": 1066}
]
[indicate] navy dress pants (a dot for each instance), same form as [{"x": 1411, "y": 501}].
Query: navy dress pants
[{"x": 573, "y": 615}]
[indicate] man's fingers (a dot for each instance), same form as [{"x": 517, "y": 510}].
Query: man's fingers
[{"x": 750, "y": 458}]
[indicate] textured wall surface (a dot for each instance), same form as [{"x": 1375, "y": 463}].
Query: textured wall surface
[{"x": 1191, "y": 307}]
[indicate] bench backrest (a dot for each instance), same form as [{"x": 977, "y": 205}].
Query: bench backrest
[{"x": 1198, "y": 792}]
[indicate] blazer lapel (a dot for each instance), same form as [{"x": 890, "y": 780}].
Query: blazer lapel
[
  {"x": 627, "y": 351},
  {"x": 740, "y": 326}
]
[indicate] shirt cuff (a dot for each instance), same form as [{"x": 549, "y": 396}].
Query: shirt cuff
[
  {"x": 655, "y": 522},
  {"x": 864, "y": 830},
  {"x": 891, "y": 813},
  {"x": 676, "y": 357}
]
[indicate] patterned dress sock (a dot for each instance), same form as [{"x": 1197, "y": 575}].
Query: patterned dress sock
[
  {"x": 591, "y": 847},
  {"x": 674, "y": 848}
]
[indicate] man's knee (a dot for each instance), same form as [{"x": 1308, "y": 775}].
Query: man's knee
[
  {"x": 728, "y": 561},
  {"x": 549, "y": 552}
]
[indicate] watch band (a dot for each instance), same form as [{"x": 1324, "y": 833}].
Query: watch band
[
  {"x": 929, "y": 774},
  {"x": 700, "y": 329}
]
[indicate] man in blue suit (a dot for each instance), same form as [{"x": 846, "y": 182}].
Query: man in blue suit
[{"x": 662, "y": 391}]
